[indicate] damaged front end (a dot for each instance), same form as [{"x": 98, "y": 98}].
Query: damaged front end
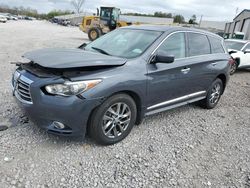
[
  {"x": 42, "y": 94},
  {"x": 52, "y": 87},
  {"x": 57, "y": 114}
]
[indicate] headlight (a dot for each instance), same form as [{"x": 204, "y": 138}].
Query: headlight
[{"x": 71, "y": 88}]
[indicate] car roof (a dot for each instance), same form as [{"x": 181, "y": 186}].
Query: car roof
[
  {"x": 165, "y": 28},
  {"x": 237, "y": 40}
]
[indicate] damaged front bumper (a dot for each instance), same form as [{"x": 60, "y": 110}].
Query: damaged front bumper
[{"x": 47, "y": 110}]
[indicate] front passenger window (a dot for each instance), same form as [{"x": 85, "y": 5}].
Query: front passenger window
[{"x": 174, "y": 45}]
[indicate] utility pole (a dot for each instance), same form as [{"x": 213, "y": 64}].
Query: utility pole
[
  {"x": 236, "y": 11},
  {"x": 200, "y": 21}
]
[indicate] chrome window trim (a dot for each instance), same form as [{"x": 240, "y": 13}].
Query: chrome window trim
[
  {"x": 185, "y": 31},
  {"x": 176, "y": 100},
  {"x": 173, "y": 106}
]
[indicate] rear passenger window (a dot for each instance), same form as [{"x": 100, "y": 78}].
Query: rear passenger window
[
  {"x": 174, "y": 45},
  {"x": 198, "y": 44},
  {"x": 216, "y": 45}
]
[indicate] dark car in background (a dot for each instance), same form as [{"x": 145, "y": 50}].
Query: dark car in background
[
  {"x": 106, "y": 87},
  {"x": 64, "y": 22}
]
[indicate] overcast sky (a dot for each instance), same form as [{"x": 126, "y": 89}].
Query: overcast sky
[{"x": 210, "y": 9}]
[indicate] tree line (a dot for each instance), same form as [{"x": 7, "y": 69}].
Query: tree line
[
  {"x": 32, "y": 12},
  {"x": 178, "y": 18}
]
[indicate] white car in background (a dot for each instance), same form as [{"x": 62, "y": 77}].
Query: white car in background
[
  {"x": 240, "y": 51},
  {"x": 3, "y": 19},
  {"x": 14, "y": 18}
]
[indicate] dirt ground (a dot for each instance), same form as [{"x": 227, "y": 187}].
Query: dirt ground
[{"x": 184, "y": 147}]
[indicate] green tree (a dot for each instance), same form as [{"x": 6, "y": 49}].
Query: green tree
[
  {"x": 54, "y": 13},
  {"x": 156, "y": 14},
  {"x": 192, "y": 20},
  {"x": 179, "y": 19},
  {"x": 163, "y": 15}
]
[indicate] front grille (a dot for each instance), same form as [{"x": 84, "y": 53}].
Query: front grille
[
  {"x": 21, "y": 86},
  {"x": 23, "y": 90}
]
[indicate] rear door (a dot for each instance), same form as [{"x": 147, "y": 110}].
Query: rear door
[{"x": 200, "y": 61}]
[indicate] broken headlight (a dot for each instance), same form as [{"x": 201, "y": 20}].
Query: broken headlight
[{"x": 71, "y": 88}]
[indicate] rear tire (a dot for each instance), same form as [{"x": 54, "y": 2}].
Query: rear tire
[
  {"x": 213, "y": 95},
  {"x": 113, "y": 120},
  {"x": 94, "y": 33}
]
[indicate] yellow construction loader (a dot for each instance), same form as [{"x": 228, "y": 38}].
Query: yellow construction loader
[{"x": 106, "y": 20}]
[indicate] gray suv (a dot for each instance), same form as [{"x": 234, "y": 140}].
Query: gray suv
[{"x": 107, "y": 86}]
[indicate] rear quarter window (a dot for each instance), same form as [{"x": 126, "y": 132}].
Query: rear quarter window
[
  {"x": 198, "y": 44},
  {"x": 216, "y": 45}
]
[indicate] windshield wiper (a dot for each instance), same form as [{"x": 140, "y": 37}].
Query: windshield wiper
[{"x": 100, "y": 50}]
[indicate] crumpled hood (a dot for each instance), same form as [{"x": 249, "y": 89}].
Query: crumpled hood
[{"x": 71, "y": 58}]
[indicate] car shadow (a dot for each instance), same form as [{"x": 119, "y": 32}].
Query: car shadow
[{"x": 87, "y": 141}]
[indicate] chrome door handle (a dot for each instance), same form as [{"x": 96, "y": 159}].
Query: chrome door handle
[
  {"x": 214, "y": 64},
  {"x": 185, "y": 70}
]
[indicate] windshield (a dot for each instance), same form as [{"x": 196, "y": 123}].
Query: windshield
[
  {"x": 234, "y": 45},
  {"x": 126, "y": 43}
]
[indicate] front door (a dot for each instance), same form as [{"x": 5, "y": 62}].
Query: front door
[{"x": 169, "y": 83}]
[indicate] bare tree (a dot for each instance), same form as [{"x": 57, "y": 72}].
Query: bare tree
[{"x": 77, "y": 4}]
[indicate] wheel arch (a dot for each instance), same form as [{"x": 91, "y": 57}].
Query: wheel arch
[
  {"x": 223, "y": 78},
  {"x": 138, "y": 103},
  {"x": 135, "y": 96},
  {"x": 237, "y": 59},
  {"x": 137, "y": 99}
]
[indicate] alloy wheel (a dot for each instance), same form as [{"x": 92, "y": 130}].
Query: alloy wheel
[
  {"x": 116, "y": 120},
  {"x": 215, "y": 94},
  {"x": 233, "y": 68}
]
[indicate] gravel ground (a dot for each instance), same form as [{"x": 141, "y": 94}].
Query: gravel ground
[{"x": 184, "y": 147}]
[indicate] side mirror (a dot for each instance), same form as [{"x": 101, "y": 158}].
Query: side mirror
[
  {"x": 232, "y": 51},
  {"x": 162, "y": 57},
  {"x": 247, "y": 51}
]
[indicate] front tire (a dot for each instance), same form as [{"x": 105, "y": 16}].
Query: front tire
[
  {"x": 234, "y": 67},
  {"x": 113, "y": 120},
  {"x": 213, "y": 95}
]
